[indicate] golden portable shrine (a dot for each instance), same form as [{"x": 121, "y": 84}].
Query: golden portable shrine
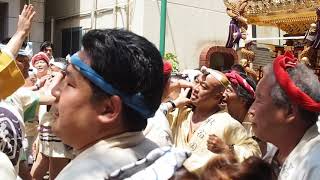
[{"x": 300, "y": 19}]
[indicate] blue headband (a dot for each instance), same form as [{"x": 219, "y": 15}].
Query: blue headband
[{"x": 135, "y": 101}]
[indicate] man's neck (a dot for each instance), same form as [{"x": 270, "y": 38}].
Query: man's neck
[
  {"x": 287, "y": 145},
  {"x": 98, "y": 137},
  {"x": 202, "y": 114},
  {"x": 240, "y": 114}
]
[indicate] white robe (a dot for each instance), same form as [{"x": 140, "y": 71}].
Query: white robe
[
  {"x": 7, "y": 170},
  {"x": 158, "y": 130},
  {"x": 303, "y": 163},
  {"x": 220, "y": 124},
  {"x": 106, "y": 156}
]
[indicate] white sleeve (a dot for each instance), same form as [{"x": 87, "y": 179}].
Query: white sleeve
[
  {"x": 312, "y": 174},
  {"x": 7, "y": 51},
  {"x": 6, "y": 168}
]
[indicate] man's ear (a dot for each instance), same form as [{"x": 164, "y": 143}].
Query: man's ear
[
  {"x": 111, "y": 109},
  {"x": 243, "y": 101},
  {"x": 291, "y": 114}
]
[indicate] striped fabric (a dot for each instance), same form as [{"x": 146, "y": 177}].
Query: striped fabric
[{"x": 49, "y": 144}]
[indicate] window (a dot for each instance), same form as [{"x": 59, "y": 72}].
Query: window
[
  {"x": 71, "y": 40},
  {"x": 3, "y": 20},
  {"x": 254, "y": 31}
]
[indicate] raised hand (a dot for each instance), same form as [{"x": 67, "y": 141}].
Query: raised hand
[
  {"x": 182, "y": 99},
  {"x": 23, "y": 29},
  {"x": 25, "y": 19}
]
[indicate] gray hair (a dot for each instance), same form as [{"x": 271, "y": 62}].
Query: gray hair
[{"x": 305, "y": 79}]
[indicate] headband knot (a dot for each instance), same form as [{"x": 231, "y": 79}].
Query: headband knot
[
  {"x": 294, "y": 93},
  {"x": 223, "y": 80},
  {"x": 289, "y": 61},
  {"x": 236, "y": 79}
]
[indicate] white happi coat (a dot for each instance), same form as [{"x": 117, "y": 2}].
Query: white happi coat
[
  {"x": 303, "y": 163},
  {"x": 106, "y": 156}
]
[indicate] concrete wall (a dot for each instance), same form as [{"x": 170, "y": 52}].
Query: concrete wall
[
  {"x": 37, "y": 31},
  {"x": 191, "y": 25}
]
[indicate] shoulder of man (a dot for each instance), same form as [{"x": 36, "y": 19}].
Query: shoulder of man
[
  {"x": 179, "y": 115},
  {"x": 94, "y": 163},
  {"x": 226, "y": 117}
]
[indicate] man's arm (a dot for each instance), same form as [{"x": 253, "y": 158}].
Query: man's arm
[
  {"x": 23, "y": 29},
  {"x": 46, "y": 99},
  {"x": 242, "y": 145},
  {"x": 9, "y": 70}
]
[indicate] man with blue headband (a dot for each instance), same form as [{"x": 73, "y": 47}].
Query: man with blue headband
[{"x": 111, "y": 88}]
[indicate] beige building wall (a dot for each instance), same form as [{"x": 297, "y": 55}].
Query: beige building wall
[
  {"x": 191, "y": 25},
  {"x": 268, "y": 32},
  {"x": 37, "y": 31}
]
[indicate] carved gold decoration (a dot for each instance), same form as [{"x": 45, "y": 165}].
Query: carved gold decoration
[
  {"x": 247, "y": 54},
  {"x": 291, "y": 16}
]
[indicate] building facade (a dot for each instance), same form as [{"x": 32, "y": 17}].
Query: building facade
[{"x": 196, "y": 31}]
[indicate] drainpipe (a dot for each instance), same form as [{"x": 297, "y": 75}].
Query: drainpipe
[
  {"x": 93, "y": 15},
  {"x": 163, "y": 27},
  {"x": 52, "y": 29},
  {"x": 128, "y": 15},
  {"x": 115, "y": 14}
]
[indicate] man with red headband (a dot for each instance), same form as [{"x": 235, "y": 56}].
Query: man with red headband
[
  {"x": 240, "y": 95},
  {"x": 285, "y": 113}
]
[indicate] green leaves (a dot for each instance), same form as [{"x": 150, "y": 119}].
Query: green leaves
[{"x": 173, "y": 60}]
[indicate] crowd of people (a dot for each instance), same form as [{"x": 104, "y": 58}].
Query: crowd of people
[{"x": 115, "y": 110}]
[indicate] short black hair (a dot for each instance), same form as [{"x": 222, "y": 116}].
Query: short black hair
[
  {"x": 6, "y": 40},
  {"x": 131, "y": 64},
  {"x": 238, "y": 68},
  {"x": 249, "y": 98},
  {"x": 46, "y": 44}
]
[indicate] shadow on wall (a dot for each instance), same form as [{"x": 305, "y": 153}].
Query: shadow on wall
[
  {"x": 218, "y": 57},
  {"x": 63, "y": 27},
  {"x": 221, "y": 61}
]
